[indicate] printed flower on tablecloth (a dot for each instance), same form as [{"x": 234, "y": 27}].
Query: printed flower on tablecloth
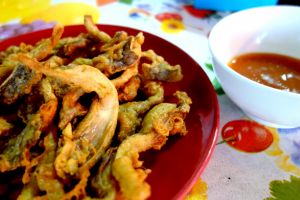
[
  {"x": 103, "y": 2},
  {"x": 203, "y": 20},
  {"x": 215, "y": 82},
  {"x": 284, "y": 149},
  {"x": 285, "y": 190},
  {"x": 172, "y": 26},
  {"x": 290, "y": 141},
  {"x": 197, "y": 12},
  {"x": 170, "y": 22},
  {"x": 137, "y": 13}
]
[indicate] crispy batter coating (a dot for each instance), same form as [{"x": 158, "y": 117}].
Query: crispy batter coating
[
  {"x": 21, "y": 80},
  {"x": 161, "y": 121},
  {"x": 93, "y": 31},
  {"x": 5, "y": 71},
  {"x": 14, "y": 155},
  {"x": 102, "y": 115},
  {"x": 159, "y": 69},
  {"x": 81, "y": 148},
  {"x": 131, "y": 113},
  {"x": 5, "y": 127},
  {"x": 54, "y": 61},
  {"x": 44, "y": 178},
  {"x": 19, "y": 83},
  {"x": 71, "y": 108},
  {"x": 125, "y": 77},
  {"x": 129, "y": 90},
  {"x": 103, "y": 182},
  {"x": 11, "y": 51},
  {"x": 121, "y": 53},
  {"x": 44, "y": 48},
  {"x": 71, "y": 45},
  {"x": 61, "y": 125}
]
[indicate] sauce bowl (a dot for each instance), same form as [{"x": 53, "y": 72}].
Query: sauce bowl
[{"x": 269, "y": 29}]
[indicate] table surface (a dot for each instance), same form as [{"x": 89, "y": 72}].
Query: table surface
[{"x": 232, "y": 172}]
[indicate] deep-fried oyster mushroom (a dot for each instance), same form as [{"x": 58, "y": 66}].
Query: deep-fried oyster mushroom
[
  {"x": 159, "y": 69},
  {"x": 93, "y": 31},
  {"x": 71, "y": 108},
  {"x": 70, "y": 45},
  {"x": 12, "y": 50},
  {"x": 19, "y": 83},
  {"x": 103, "y": 183},
  {"x": 40, "y": 51},
  {"x": 59, "y": 110},
  {"x": 21, "y": 80},
  {"x": 131, "y": 113},
  {"x": 16, "y": 152},
  {"x": 129, "y": 90},
  {"x": 5, "y": 71},
  {"x": 161, "y": 121},
  {"x": 44, "y": 48},
  {"x": 80, "y": 149},
  {"x": 123, "y": 52},
  {"x": 44, "y": 178},
  {"x": 125, "y": 77},
  {"x": 5, "y": 127}
]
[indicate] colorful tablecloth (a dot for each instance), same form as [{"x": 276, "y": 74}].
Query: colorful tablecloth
[{"x": 269, "y": 168}]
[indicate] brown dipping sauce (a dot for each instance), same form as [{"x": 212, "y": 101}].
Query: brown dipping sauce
[{"x": 274, "y": 70}]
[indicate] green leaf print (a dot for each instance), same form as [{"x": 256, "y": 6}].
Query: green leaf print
[
  {"x": 285, "y": 190},
  {"x": 215, "y": 82}
]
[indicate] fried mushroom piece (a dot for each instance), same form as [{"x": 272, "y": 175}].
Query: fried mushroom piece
[
  {"x": 54, "y": 61},
  {"x": 30, "y": 104},
  {"x": 5, "y": 127},
  {"x": 103, "y": 182},
  {"x": 129, "y": 90},
  {"x": 159, "y": 69},
  {"x": 125, "y": 77},
  {"x": 44, "y": 178},
  {"x": 131, "y": 113},
  {"x": 65, "y": 95},
  {"x": 161, "y": 121},
  {"x": 22, "y": 79},
  {"x": 93, "y": 30},
  {"x": 45, "y": 47},
  {"x": 5, "y": 71},
  {"x": 71, "y": 108},
  {"x": 16, "y": 153},
  {"x": 121, "y": 53},
  {"x": 40, "y": 51},
  {"x": 19, "y": 83},
  {"x": 70, "y": 45},
  {"x": 80, "y": 149},
  {"x": 11, "y": 50}
]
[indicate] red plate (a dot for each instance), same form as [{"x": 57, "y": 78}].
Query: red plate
[{"x": 179, "y": 164}]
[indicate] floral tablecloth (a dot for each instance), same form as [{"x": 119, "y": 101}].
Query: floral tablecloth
[{"x": 267, "y": 169}]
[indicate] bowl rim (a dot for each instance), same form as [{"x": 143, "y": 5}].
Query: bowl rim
[{"x": 212, "y": 47}]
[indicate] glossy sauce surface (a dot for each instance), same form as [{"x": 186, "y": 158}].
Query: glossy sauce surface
[{"x": 274, "y": 70}]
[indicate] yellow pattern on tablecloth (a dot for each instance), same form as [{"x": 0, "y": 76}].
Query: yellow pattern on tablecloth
[
  {"x": 198, "y": 192},
  {"x": 283, "y": 160}
]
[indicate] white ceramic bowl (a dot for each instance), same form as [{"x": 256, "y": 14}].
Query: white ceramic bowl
[{"x": 273, "y": 29}]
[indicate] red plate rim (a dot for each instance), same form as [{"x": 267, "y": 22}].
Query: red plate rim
[{"x": 216, "y": 124}]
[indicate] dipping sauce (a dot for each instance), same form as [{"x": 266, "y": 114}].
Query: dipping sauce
[{"x": 274, "y": 70}]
